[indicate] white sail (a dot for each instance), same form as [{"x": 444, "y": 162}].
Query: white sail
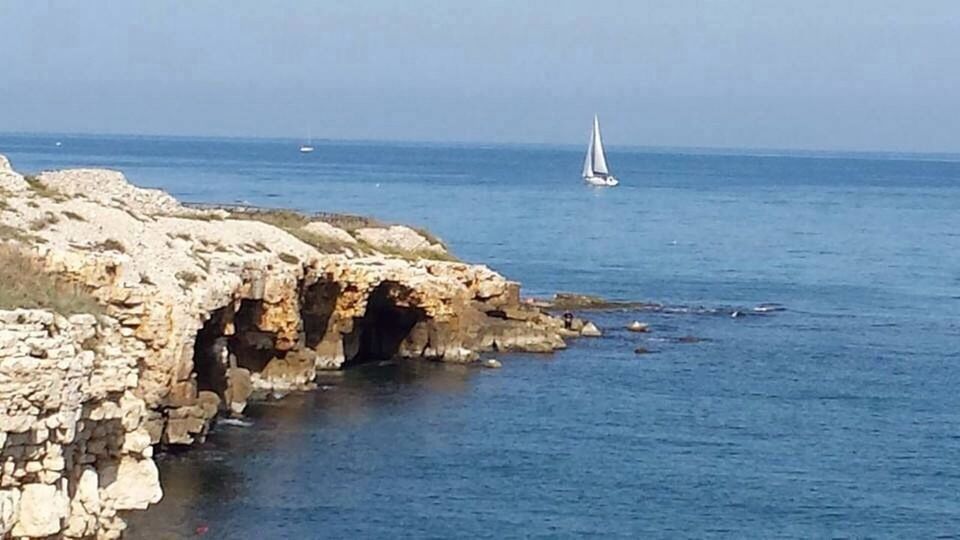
[
  {"x": 599, "y": 159},
  {"x": 588, "y": 161}
]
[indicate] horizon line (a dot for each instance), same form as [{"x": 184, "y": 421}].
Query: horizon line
[{"x": 693, "y": 150}]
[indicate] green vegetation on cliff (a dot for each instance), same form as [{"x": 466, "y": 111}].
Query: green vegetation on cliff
[{"x": 24, "y": 284}]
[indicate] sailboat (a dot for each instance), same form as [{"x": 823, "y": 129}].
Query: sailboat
[
  {"x": 595, "y": 170},
  {"x": 307, "y": 148}
]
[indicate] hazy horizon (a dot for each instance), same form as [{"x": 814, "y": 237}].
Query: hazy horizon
[{"x": 812, "y": 76}]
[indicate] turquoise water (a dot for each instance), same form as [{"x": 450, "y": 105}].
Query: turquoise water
[{"x": 836, "y": 417}]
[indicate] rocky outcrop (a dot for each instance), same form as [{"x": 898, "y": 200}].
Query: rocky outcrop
[
  {"x": 202, "y": 311},
  {"x": 74, "y": 446},
  {"x": 398, "y": 237}
]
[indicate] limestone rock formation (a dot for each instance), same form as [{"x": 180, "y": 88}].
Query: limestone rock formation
[
  {"x": 590, "y": 330},
  {"x": 74, "y": 442},
  {"x": 398, "y": 237},
  {"x": 202, "y": 310},
  {"x": 325, "y": 230}
]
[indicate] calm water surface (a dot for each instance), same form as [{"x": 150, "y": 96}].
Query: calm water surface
[{"x": 837, "y": 417}]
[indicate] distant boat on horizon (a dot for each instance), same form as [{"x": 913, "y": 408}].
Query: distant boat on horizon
[
  {"x": 595, "y": 171},
  {"x": 308, "y": 147}
]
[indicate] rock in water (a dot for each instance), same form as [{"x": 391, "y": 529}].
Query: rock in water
[
  {"x": 590, "y": 330},
  {"x": 492, "y": 363},
  {"x": 637, "y": 326},
  {"x": 567, "y": 300},
  {"x": 642, "y": 350}
]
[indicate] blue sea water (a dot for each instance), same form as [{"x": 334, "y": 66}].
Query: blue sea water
[{"x": 837, "y": 417}]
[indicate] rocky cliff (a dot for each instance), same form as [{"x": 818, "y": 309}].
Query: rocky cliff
[{"x": 201, "y": 308}]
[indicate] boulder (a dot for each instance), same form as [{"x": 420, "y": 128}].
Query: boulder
[
  {"x": 492, "y": 363},
  {"x": 292, "y": 372},
  {"x": 184, "y": 430},
  {"x": 637, "y": 326},
  {"x": 239, "y": 388},
  {"x": 572, "y": 301},
  {"x": 326, "y": 230},
  {"x": 590, "y": 330},
  {"x": 133, "y": 484},
  {"x": 40, "y": 511},
  {"x": 398, "y": 238},
  {"x": 9, "y": 508},
  {"x": 209, "y": 402}
]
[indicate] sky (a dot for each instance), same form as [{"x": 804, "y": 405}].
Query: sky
[{"x": 813, "y": 74}]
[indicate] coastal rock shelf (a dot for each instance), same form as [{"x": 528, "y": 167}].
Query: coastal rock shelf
[{"x": 199, "y": 310}]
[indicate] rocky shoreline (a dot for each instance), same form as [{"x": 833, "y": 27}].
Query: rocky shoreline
[{"x": 197, "y": 309}]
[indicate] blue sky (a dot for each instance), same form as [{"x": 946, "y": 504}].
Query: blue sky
[{"x": 851, "y": 74}]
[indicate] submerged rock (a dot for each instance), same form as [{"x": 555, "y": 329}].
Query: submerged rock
[
  {"x": 573, "y": 301},
  {"x": 570, "y": 301}
]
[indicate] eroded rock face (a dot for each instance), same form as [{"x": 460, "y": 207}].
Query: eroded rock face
[
  {"x": 68, "y": 410},
  {"x": 203, "y": 312}
]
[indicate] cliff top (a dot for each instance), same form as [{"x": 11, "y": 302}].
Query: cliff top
[{"x": 96, "y": 226}]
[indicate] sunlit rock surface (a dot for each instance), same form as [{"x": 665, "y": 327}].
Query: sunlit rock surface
[{"x": 202, "y": 311}]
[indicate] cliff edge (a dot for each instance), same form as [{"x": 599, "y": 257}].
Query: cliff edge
[{"x": 194, "y": 310}]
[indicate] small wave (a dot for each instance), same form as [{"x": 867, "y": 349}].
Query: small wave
[
  {"x": 769, "y": 307},
  {"x": 236, "y": 422}
]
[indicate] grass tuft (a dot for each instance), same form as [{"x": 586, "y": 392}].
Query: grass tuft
[
  {"x": 293, "y": 223},
  {"x": 209, "y": 216},
  {"x": 25, "y": 284},
  {"x": 110, "y": 245},
  {"x": 42, "y": 190},
  {"x": 12, "y": 233},
  {"x": 43, "y": 222},
  {"x": 187, "y": 278},
  {"x": 289, "y": 259}
]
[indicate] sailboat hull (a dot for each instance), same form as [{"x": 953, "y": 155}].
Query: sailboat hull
[{"x": 601, "y": 181}]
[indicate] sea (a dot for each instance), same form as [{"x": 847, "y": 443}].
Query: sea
[{"x": 836, "y": 414}]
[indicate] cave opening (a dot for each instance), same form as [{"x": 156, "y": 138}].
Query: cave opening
[
  {"x": 211, "y": 350},
  {"x": 317, "y": 303},
  {"x": 385, "y": 324},
  {"x": 253, "y": 348}
]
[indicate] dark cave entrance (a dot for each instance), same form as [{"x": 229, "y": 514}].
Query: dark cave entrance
[
  {"x": 378, "y": 335},
  {"x": 317, "y": 302},
  {"x": 210, "y": 352},
  {"x": 253, "y": 348},
  {"x": 216, "y": 349}
]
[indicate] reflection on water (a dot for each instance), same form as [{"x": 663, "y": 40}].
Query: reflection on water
[{"x": 252, "y": 465}]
